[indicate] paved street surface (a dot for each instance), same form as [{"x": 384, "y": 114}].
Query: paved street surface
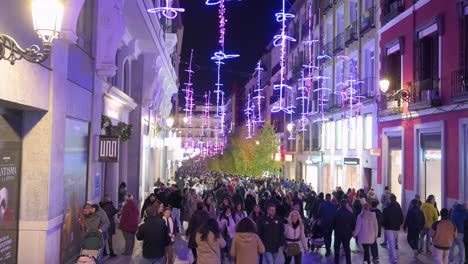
[{"x": 184, "y": 255}]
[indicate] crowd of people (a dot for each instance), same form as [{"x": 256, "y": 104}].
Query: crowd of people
[{"x": 237, "y": 219}]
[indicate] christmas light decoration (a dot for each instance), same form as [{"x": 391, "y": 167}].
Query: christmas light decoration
[
  {"x": 259, "y": 96},
  {"x": 168, "y": 11},
  {"x": 280, "y": 40},
  {"x": 303, "y": 98},
  {"x": 248, "y": 111},
  {"x": 189, "y": 93},
  {"x": 309, "y": 68}
]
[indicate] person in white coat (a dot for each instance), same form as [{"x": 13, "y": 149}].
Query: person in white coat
[
  {"x": 366, "y": 230},
  {"x": 295, "y": 238}
]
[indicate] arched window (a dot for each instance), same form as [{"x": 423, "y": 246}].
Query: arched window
[{"x": 126, "y": 77}]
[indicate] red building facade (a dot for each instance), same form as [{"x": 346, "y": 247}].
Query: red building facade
[{"x": 423, "y": 117}]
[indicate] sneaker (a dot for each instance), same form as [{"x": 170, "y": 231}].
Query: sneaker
[
  {"x": 420, "y": 251},
  {"x": 375, "y": 260},
  {"x": 384, "y": 244}
]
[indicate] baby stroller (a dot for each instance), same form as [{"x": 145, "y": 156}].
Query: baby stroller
[
  {"x": 316, "y": 240},
  {"x": 91, "y": 247}
]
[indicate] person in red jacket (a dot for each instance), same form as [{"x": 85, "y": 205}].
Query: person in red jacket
[{"x": 129, "y": 224}]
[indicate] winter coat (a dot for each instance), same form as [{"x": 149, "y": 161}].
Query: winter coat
[
  {"x": 327, "y": 213},
  {"x": 443, "y": 234},
  {"x": 271, "y": 231},
  {"x": 385, "y": 199},
  {"x": 414, "y": 219},
  {"x": 295, "y": 235},
  {"x": 175, "y": 199},
  {"x": 129, "y": 218},
  {"x": 392, "y": 217},
  {"x": 246, "y": 247},
  {"x": 147, "y": 203},
  {"x": 343, "y": 223},
  {"x": 239, "y": 216},
  {"x": 378, "y": 215},
  {"x": 250, "y": 203},
  {"x": 227, "y": 226},
  {"x": 186, "y": 208},
  {"x": 458, "y": 218},
  {"x": 430, "y": 214},
  {"x": 211, "y": 210},
  {"x": 110, "y": 210},
  {"x": 209, "y": 251},
  {"x": 155, "y": 237},
  {"x": 198, "y": 219},
  {"x": 97, "y": 220},
  {"x": 254, "y": 216},
  {"x": 366, "y": 229}
]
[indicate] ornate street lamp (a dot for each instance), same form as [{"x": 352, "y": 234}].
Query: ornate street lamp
[
  {"x": 404, "y": 94},
  {"x": 170, "y": 122},
  {"x": 47, "y": 20}
]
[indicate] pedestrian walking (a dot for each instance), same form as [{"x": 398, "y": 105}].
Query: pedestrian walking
[
  {"x": 378, "y": 215},
  {"x": 96, "y": 219},
  {"x": 174, "y": 201},
  {"x": 430, "y": 217},
  {"x": 108, "y": 207},
  {"x": 196, "y": 221},
  {"x": 246, "y": 245},
  {"x": 209, "y": 242},
  {"x": 227, "y": 226},
  {"x": 295, "y": 240},
  {"x": 343, "y": 225},
  {"x": 414, "y": 224},
  {"x": 149, "y": 201},
  {"x": 271, "y": 231},
  {"x": 238, "y": 213},
  {"x": 327, "y": 213},
  {"x": 209, "y": 206},
  {"x": 366, "y": 230},
  {"x": 458, "y": 217},
  {"x": 155, "y": 236},
  {"x": 256, "y": 214},
  {"x": 385, "y": 200},
  {"x": 129, "y": 224},
  {"x": 169, "y": 257},
  {"x": 392, "y": 221},
  {"x": 443, "y": 234}
]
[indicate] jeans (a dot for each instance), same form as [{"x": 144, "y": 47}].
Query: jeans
[
  {"x": 461, "y": 248},
  {"x": 327, "y": 233},
  {"x": 366, "y": 252},
  {"x": 176, "y": 217},
  {"x": 169, "y": 255},
  {"x": 391, "y": 238},
  {"x": 425, "y": 233},
  {"x": 413, "y": 238},
  {"x": 227, "y": 250},
  {"x": 441, "y": 256},
  {"x": 336, "y": 246},
  {"x": 270, "y": 258},
  {"x": 374, "y": 250},
  {"x": 151, "y": 261},
  {"x": 129, "y": 242},
  {"x": 297, "y": 259}
]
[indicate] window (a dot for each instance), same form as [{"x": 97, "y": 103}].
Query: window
[
  {"x": 329, "y": 30},
  {"x": 339, "y": 77},
  {"x": 353, "y": 8},
  {"x": 126, "y": 77},
  {"x": 329, "y": 128},
  {"x": 368, "y": 57},
  {"x": 428, "y": 64},
  {"x": 85, "y": 26},
  {"x": 393, "y": 70},
  {"x": 339, "y": 24},
  {"x": 367, "y": 131},
  {"x": 367, "y": 4},
  {"x": 339, "y": 134},
  {"x": 352, "y": 133}
]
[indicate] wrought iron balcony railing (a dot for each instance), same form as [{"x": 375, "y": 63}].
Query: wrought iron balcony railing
[
  {"x": 338, "y": 43},
  {"x": 459, "y": 84},
  {"x": 368, "y": 20},
  {"x": 394, "y": 9},
  {"x": 351, "y": 33}
]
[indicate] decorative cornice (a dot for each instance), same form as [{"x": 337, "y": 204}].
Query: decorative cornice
[
  {"x": 72, "y": 9},
  {"x": 121, "y": 98}
]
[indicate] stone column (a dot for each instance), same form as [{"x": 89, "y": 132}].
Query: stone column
[{"x": 111, "y": 184}]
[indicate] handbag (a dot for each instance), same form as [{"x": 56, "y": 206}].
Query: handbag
[{"x": 293, "y": 248}]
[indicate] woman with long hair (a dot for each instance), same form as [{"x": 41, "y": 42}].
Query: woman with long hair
[
  {"x": 295, "y": 238},
  {"x": 239, "y": 213},
  {"x": 227, "y": 227},
  {"x": 209, "y": 207},
  {"x": 209, "y": 242},
  {"x": 256, "y": 214},
  {"x": 246, "y": 245},
  {"x": 366, "y": 229}
]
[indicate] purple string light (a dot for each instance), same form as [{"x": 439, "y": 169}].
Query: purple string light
[
  {"x": 248, "y": 111},
  {"x": 303, "y": 97},
  {"x": 189, "y": 93},
  {"x": 167, "y": 11},
  {"x": 259, "y": 95}
]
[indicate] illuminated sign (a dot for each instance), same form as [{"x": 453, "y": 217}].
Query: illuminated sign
[
  {"x": 432, "y": 155},
  {"x": 351, "y": 161},
  {"x": 288, "y": 157},
  {"x": 109, "y": 148}
]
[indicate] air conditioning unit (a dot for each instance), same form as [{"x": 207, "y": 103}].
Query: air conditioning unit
[{"x": 392, "y": 104}]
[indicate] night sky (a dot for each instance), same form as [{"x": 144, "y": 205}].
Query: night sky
[{"x": 250, "y": 27}]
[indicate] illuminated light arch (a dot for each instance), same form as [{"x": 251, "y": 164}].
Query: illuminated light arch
[{"x": 168, "y": 11}]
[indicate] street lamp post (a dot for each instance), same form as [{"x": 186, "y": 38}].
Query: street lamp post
[{"x": 47, "y": 20}]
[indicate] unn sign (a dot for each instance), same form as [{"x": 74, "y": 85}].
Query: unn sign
[{"x": 109, "y": 148}]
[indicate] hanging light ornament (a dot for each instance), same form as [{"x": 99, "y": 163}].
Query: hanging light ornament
[
  {"x": 303, "y": 98},
  {"x": 309, "y": 68},
  {"x": 280, "y": 41},
  {"x": 189, "y": 104},
  {"x": 248, "y": 111},
  {"x": 168, "y": 11},
  {"x": 259, "y": 96}
]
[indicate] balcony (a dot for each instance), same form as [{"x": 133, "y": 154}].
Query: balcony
[
  {"x": 351, "y": 33},
  {"x": 328, "y": 48},
  {"x": 367, "y": 87},
  {"x": 368, "y": 20},
  {"x": 459, "y": 85},
  {"x": 424, "y": 94},
  {"x": 326, "y": 5},
  {"x": 392, "y": 10},
  {"x": 339, "y": 43}
]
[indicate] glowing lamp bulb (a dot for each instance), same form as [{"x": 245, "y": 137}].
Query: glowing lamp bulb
[
  {"x": 47, "y": 19},
  {"x": 289, "y": 127},
  {"x": 384, "y": 85}
]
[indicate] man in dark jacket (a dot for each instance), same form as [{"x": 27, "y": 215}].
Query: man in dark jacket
[
  {"x": 327, "y": 213},
  {"x": 108, "y": 207},
  {"x": 392, "y": 221},
  {"x": 154, "y": 235},
  {"x": 271, "y": 232},
  {"x": 175, "y": 202},
  {"x": 343, "y": 224},
  {"x": 414, "y": 223},
  {"x": 198, "y": 218}
]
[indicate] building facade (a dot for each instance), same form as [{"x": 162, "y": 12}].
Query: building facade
[
  {"x": 113, "y": 64},
  {"x": 423, "y": 116}
]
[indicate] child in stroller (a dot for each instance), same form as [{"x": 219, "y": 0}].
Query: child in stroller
[
  {"x": 91, "y": 247},
  {"x": 316, "y": 240}
]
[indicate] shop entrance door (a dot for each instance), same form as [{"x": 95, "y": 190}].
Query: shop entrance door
[
  {"x": 312, "y": 176},
  {"x": 395, "y": 167},
  {"x": 431, "y": 166}
]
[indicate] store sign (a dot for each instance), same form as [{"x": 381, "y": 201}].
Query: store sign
[
  {"x": 375, "y": 152},
  {"x": 351, "y": 161},
  {"x": 432, "y": 155},
  {"x": 109, "y": 148}
]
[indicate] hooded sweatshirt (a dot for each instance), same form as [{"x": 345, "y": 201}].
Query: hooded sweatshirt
[
  {"x": 366, "y": 229},
  {"x": 246, "y": 247}
]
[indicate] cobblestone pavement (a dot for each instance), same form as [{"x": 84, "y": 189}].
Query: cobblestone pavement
[{"x": 184, "y": 255}]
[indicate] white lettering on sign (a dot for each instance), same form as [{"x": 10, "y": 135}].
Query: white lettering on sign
[{"x": 108, "y": 149}]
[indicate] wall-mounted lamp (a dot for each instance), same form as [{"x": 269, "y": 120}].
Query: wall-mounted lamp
[{"x": 47, "y": 20}]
